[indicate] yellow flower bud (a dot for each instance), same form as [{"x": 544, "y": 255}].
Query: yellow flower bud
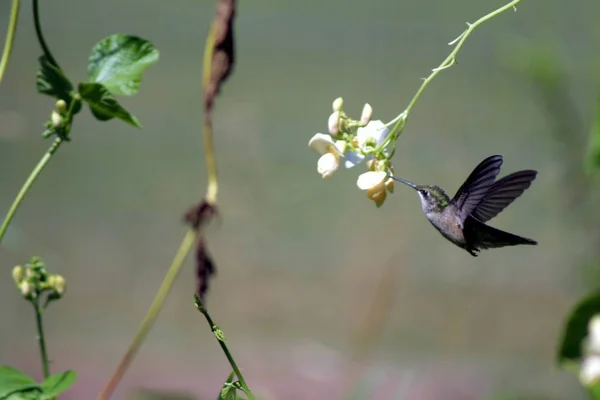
[
  {"x": 60, "y": 284},
  {"x": 61, "y": 106},
  {"x": 18, "y": 274},
  {"x": 26, "y": 289}
]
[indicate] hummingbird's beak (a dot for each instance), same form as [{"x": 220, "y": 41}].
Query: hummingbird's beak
[{"x": 412, "y": 185}]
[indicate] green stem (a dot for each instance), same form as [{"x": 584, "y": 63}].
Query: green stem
[
  {"x": 40, "y": 35},
  {"x": 27, "y": 185},
  {"x": 221, "y": 339},
  {"x": 447, "y": 63},
  {"x": 10, "y": 37},
  {"x": 152, "y": 314},
  {"x": 40, "y": 336}
]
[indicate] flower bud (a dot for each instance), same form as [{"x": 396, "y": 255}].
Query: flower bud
[
  {"x": 365, "y": 117},
  {"x": 18, "y": 274},
  {"x": 59, "y": 284},
  {"x": 377, "y": 195},
  {"x": 334, "y": 123},
  {"x": 590, "y": 371},
  {"x": 337, "y": 104},
  {"x": 389, "y": 185},
  {"x": 61, "y": 106},
  {"x": 56, "y": 120},
  {"x": 26, "y": 290}
]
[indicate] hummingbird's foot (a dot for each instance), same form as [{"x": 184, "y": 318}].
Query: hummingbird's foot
[{"x": 473, "y": 252}]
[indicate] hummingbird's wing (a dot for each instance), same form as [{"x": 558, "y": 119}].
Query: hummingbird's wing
[
  {"x": 470, "y": 194},
  {"x": 502, "y": 193}
]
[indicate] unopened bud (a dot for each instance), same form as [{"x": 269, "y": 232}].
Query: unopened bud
[
  {"x": 59, "y": 284},
  {"x": 61, "y": 106},
  {"x": 337, "y": 104},
  {"x": 371, "y": 164},
  {"x": 18, "y": 274},
  {"x": 56, "y": 120},
  {"x": 377, "y": 194},
  {"x": 365, "y": 117},
  {"x": 389, "y": 185},
  {"x": 334, "y": 123},
  {"x": 29, "y": 273},
  {"x": 26, "y": 289}
]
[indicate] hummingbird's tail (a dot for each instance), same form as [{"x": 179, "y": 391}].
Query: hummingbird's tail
[{"x": 487, "y": 237}]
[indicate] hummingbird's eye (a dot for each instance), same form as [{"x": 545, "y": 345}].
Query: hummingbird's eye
[{"x": 425, "y": 193}]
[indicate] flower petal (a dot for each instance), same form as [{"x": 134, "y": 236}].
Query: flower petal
[
  {"x": 327, "y": 165},
  {"x": 352, "y": 159},
  {"x": 370, "y": 179},
  {"x": 320, "y": 143},
  {"x": 375, "y": 130},
  {"x": 590, "y": 371}
]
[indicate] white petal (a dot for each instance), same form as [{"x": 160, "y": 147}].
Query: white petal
[
  {"x": 352, "y": 159},
  {"x": 320, "y": 143},
  {"x": 333, "y": 123},
  {"x": 375, "y": 130},
  {"x": 594, "y": 335},
  {"x": 327, "y": 165},
  {"x": 370, "y": 179},
  {"x": 367, "y": 112},
  {"x": 590, "y": 370},
  {"x": 338, "y": 104}
]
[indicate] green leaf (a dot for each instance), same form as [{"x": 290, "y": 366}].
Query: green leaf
[
  {"x": 576, "y": 328},
  {"x": 118, "y": 62},
  {"x": 58, "y": 383},
  {"x": 14, "y": 382},
  {"x": 51, "y": 81},
  {"x": 593, "y": 157},
  {"x": 228, "y": 392},
  {"x": 103, "y": 104}
]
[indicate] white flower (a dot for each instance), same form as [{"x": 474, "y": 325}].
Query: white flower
[
  {"x": 330, "y": 153},
  {"x": 593, "y": 339},
  {"x": 371, "y": 135},
  {"x": 376, "y": 185},
  {"x": 590, "y": 371}
]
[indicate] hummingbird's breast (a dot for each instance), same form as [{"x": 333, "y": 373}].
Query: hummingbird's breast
[{"x": 448, "y": 223}]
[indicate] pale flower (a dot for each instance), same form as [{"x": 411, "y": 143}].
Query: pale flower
[
  {"x": 593, "y": 339},
  {"x": 376, "y": 185},
  {"x": 590, "y": 371},
  {"x": 371, "y": 135},
  {"x": 330, "y": 153}
]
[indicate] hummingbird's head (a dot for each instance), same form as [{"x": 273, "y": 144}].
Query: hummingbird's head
[{"x": 433, "y": 198}]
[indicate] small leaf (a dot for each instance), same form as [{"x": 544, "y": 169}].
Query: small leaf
[
  {"x": 228, "y": 392},
  {"x": 103, "y": 104},
  {"x": 51, "y": 81},
  {"x": 58, "y": 383},
  {"x": 13, "y": 381},
  {"x": 118, "y": 62},
  {"x": 593, "y": 157},
  {"x": 576, "y": 328}
]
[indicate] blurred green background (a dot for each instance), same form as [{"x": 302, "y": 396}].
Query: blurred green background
[{"x": 300, "y": 259}]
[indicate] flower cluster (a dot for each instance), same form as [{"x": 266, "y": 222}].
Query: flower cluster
[
  {"x": 590, "y": 367},
  {"x": 353, "y": 142},
  {"x": 33, "y": 280}
]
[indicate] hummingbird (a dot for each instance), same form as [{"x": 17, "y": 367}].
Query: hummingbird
[{"x": 462, "y": 219}]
